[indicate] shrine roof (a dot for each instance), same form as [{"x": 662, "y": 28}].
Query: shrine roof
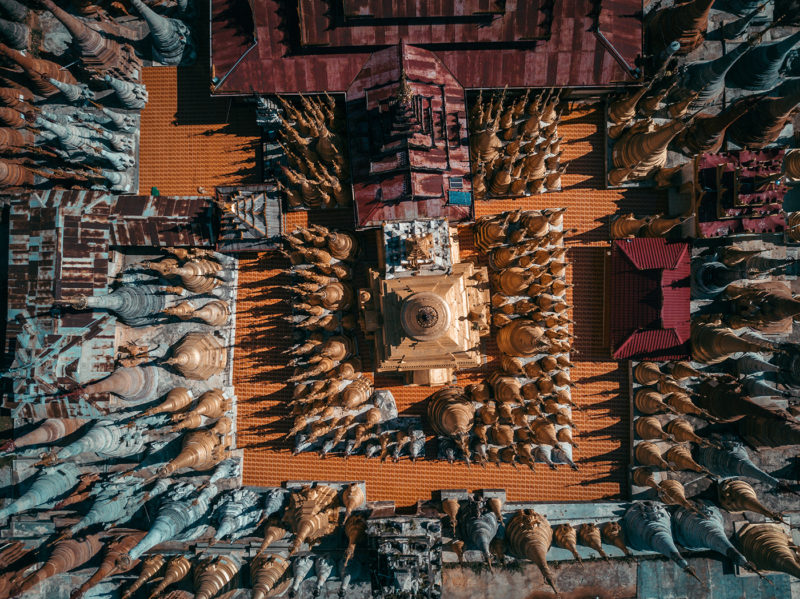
[
  {"x": 290, "y": 46},
  {"x": 649, "y": 299},
  {"x": 407, "y": 131}
]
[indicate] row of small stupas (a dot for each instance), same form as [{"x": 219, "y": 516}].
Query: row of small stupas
[
  {"x": 72, "y": 121},
  {"x": 699, "y": 96},
  {"x": 720, "y": 426},
  {"x": 715, "y": 372},
  {"x": 326, "y": 540},
  {"x": 117, "y": 387},
  {"x": 124, "y": 417}
]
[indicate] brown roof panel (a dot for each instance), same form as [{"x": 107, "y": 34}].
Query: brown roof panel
[
  {"x": 572, "y": 56},
  {"x": 323, "y": 26},
  {"x": 410, "y": 9},
  {"x": 129, "y": 205},
  {"x": 232, "y": 21},
  {"x": 407, "y": 130}
]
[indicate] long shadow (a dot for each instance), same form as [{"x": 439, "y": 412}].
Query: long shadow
[
  {"x": 241, "y": 127},
  {"x": 616, "y": 475},
  {"x": 609, "y": 406},
  {"x": 591, "y": 117},
  {"x": 616, "y": 456},
  {"x": 611, "y": 375},
  {"x": 275, "y": 396},
  {"x": 642, "y": 202},
  {"x": 269, "y": 281},
  {"x": 272, "y": 376},
  {"x": 599, "y": 233},
  {"x": 279, "y": 413},
  {"x": 587, "y": 300},
  {"x": 272, "y": 445},
  {"x": 244, "y": 175},
  {"x": 195, "y": 105},
  {"x": 612, "y": 431},
  {"x": 586, "y": 165}
]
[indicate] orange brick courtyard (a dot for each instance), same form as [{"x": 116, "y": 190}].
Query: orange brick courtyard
[{"x": 191, "y": 142}]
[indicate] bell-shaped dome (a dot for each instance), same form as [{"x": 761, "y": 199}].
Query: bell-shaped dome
[
  {"x": 199, "y": 356},
  {"x": 425, "y": 316}
]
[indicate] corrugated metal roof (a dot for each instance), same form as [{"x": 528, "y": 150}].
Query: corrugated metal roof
[
  {"x": 159, "y": 221},
  {"x": 571, "y": 56},
  {"x": 431, "y": 23},
  {"x": 409, "y": 9},
  {"x": 231, "y": 21},
  {"x": 59, "y": 247},
  {"x": 664, "y": 579},
  {"x": 404, "y": 155},
  {"x": 649, "y": 297}
]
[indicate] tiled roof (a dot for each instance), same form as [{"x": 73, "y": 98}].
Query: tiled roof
[
  {"x": 572, "y": 55},
  {"x": 649, "y": 297},
  {"x": 647, "y": 254}
]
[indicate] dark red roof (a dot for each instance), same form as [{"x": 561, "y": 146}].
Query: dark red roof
[
  {"x": 530, "y": 43},
  {"x": 649, "y": 295},
  {"x": 737, "y": 196},
  {"x": 410, "y": 9},
  {"x": 432, "y": 23},
  {"x": 233, "y": 26},
  {"x": 408, "y": 159}
]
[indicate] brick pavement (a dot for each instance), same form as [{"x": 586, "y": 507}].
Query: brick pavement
[{"x": 259, "y": 368}]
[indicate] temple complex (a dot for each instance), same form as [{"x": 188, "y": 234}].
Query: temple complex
[
  {"x": 427, "y": 310},
  {"x": 381, "y": 299}
]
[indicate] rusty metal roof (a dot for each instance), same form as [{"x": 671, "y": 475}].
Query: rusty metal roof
[
  {"x": 315, "y": 46},
  {"x": 159, "y": 221},
  {"x": 738, "y": 196},
  {"x": 59, "y": 247},
  {"x": 407, "y": 131}
]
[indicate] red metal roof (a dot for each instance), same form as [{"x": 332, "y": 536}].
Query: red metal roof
[
  {"x": 649, "y": 295},
  {"x": 409, "y": 9},
  {"x": 407, "y": 157},
  {"x": 478, "y": 55},
  {"x": 443, "y": 22},
  {"x": 646, "y": 254},
  {"x": 231, "y": 23}
]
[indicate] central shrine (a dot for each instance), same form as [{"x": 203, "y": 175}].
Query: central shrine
[{"x": 425, "y": 309}]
